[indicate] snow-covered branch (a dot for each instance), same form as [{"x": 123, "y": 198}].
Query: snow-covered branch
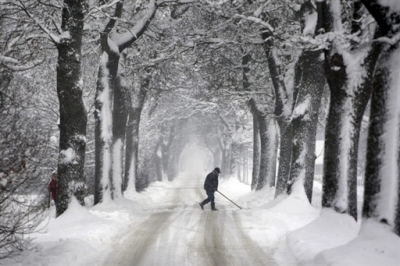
[
  {"x": 14, "y": 64},
  {"x": 6, "y": 60},
  {"x": 54, "y": 37},
  {"x": 136, "y": 31},
  {"x": 389, "y": 40},
  {"x": 101, "y": 8},
  {"x": 258, "y": 21},
  {"x": 162, "y": 2}
]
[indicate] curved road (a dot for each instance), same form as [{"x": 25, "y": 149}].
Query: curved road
[{"x": 186, "y": 235}]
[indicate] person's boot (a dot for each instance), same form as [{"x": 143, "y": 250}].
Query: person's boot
[
  {"x": 213, "y": 207},
  {"x": 201, "y": 206}
]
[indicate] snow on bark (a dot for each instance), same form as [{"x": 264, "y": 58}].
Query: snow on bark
[
  {"x": 272, "y": 151},
  {"x": 67, "y": 156},
  {"x": 356, "y": 75},
  {"x": 131, "y": 174},
  {"x": 381, "y": 198},
  {"x": 382, "y": 191},
  {"x": 132, "y": 34},
  {"x": 349, "y": 69},
  {"x": 73, "y": 117},
  {"x": 105, "y": 99},
  {"x": 103, "y": 133},
  {"x": 389, "y": 171},
  {"x": 302, "y": 109},
  {"x": 117, "y": 169}
]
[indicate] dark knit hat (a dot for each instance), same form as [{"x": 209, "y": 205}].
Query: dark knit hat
[{"x": 217, "y": 170}]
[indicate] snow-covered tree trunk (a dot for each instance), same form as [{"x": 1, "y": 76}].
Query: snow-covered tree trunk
[
  {"x": 349, "y": 86},
  {"x": 164, "y": 150},
  {"x": 73, "y": 117},
  {"x": 256, "y": 144},
  {"x": 282, "y": 110},
  {"x": 132, "y": 135},
  {"x": 382, "y": 176},
  {"x": 119, "y": 117},
  {"x": 103, "y": 133},
  {"x": 268, "y": 152},
  {"x": 262, "y": 178},
  {"x": 381, "y": 194},
  {"x": 107, "y": 80},
  {"x": 158, "y": 162},
  {"x": 109, "y": 148},
  {"x": 285, "y": 151},
  {"x": 310, "y": 85}
]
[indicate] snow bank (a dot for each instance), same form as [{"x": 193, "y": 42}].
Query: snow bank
[
  {"x": 376, "y": 245},
  {"x": 80, "y": 236},
  {"x": 329, "y": 230},
  {"x": 296, "y": 202}
]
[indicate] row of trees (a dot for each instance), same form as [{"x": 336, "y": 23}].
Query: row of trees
[{"x": 216, "y": 63}]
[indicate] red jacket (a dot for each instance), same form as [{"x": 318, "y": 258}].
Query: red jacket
[{"x": 52, "y": 187}]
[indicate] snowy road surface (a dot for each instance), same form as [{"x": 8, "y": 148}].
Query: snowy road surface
[{"x": 178, "y": 232}]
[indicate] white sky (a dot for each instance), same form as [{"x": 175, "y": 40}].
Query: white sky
[{"x": 165, "y": 226}]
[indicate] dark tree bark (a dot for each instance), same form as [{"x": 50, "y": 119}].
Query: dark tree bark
[
  {"x": 158, "y": 161},
  {"x": 132, "y": 138},
  {"x": 107, "y": 79},
  {"x": 120, "y": 120},
  {"x": 381, "y": 201},
  {"x": 72, "y": 110},
  {"x": 347, "y": 105},
  {"x": 286, "y": 137},
  {"x": 256, "y": 144},
  {"x": 262, "y": 178},
  {"x": 281, "y": 112},
  {"x": 310, "y": 85}
]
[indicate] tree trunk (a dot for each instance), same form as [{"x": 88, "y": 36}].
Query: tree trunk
[
  {"x": 256, "y": 144},
  {"x": 285, "y": 153},
  {"x": 132, "y": 148},
  {"x": 268, "y": 152},
  {"x": 109, "y": 166},
  {"x": 349, "y": 97},
  {"x": 283, "y": 109},
  {"x": 158, "y": 162},
  {"x": 264, "y": 139},
  {"x": 310, "y": 85},
  {"x": 73, "y": 117},
  {"x": 120, "y": 117},
  {"x": 381, "y": 194},
  {"x": 132, "y": 135},
  {"x": 382, "y": 177},
  {"x": 107, "y": 81}
]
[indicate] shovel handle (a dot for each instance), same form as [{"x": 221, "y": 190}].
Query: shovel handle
[{"x": 229, "y": 200}]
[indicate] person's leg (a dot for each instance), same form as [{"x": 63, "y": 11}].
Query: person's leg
[
  {"x": 204, "y": 202},
  {"x": 211, "y": 198}
]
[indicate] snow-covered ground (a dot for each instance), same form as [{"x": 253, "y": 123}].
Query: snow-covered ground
[{"x": 165, "y": 226}]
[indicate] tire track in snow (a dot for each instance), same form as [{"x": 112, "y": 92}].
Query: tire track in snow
[
  {"x": 185, "y": 236},
  {"x": 134, "y": 246},
  {"x": 259, "y": 255}
]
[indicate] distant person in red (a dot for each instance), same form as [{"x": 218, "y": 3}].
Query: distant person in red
[{"x": 52, "y": 187}]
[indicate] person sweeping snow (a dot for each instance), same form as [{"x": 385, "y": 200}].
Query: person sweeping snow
[{"x": 210, "y": 186}]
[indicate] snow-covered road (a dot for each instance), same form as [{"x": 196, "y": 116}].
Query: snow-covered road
[
  {"x": 165, "y": 226},
  {"x": 178, "y": 232}
]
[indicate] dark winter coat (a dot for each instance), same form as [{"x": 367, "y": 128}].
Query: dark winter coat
[
  {"x": 211, "y": 182},
  {"x": 52, "y": 187}
]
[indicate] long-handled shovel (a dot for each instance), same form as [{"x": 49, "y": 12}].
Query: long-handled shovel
[{"x": 229, "y": 200}]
